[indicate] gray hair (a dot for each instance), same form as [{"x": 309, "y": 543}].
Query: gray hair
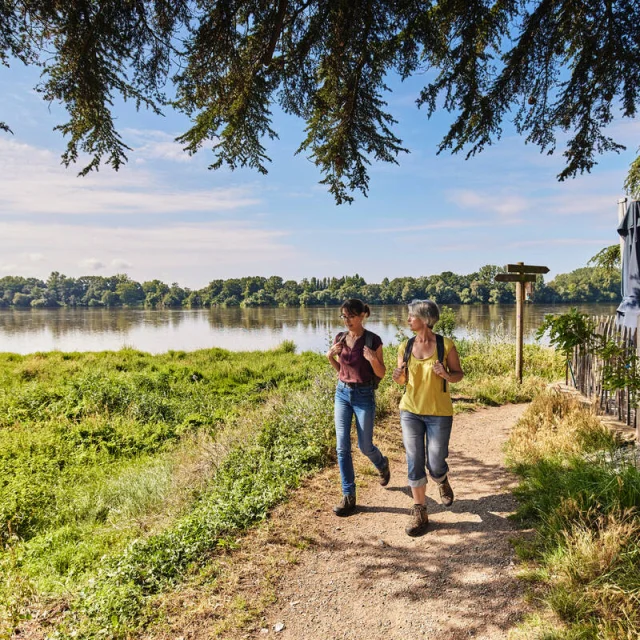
[{"x": 427, "y": 310}]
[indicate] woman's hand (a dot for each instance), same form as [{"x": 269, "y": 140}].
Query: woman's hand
[
  {"x": 369, "y": 354},
  {"x": 399, "y": 375},
  {"x": 438, "y": 369},
  {"x": 335, "y": 350}
]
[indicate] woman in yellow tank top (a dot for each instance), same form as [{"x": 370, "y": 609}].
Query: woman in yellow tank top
[{"x": 426, "y": 412}]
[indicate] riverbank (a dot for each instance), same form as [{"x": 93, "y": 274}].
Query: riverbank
[{"x": 126, "y": 474}]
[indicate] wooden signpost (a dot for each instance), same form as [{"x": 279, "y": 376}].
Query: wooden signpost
[{"x": 520, "y": 273}]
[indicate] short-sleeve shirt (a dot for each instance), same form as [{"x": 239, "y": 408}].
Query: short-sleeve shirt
[
  {"x": 354, "y": 367},
  {"x": 425, "y": 395}
]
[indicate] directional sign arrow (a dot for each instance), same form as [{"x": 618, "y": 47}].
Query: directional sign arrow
[
  {"x": 515, "y": 277},
  {"x": 526, "y": 268}
]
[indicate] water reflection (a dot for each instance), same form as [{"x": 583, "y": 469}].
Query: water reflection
[{"x": 238, "y": 329}]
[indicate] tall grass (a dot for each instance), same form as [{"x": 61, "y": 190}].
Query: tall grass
[
  {"x": 97, "y": 450},
  {"x": 586, "y": 550}
]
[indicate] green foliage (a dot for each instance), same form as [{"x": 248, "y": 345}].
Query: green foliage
[
  {"x": 61, "y": 417},
  {"x": 589, "y": 284},
  {"x": 292, "y": 441},
  {"x": 632, "y": 181},
  {"x": 567, "y": 330},
  {"x": 329, "y": 63},
  {"x": 607, "y": 258},
  {"x": 447, "y": 323},
  {"x": 581, "y": 496},
  {"x": 576, "y": 331}
]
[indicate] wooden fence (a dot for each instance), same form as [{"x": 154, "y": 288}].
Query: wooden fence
[{"x": 587, "y": 373}]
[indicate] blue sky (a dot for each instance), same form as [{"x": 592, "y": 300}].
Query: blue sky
[{"x": 165, "y": 215}]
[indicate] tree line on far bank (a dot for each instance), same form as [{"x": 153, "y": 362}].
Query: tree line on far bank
[{"x": 587, "y": 284}]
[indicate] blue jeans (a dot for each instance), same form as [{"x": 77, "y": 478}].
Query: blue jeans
[
  {"x": 360, "y": 402},
  {"x": 426, "y": 442}
]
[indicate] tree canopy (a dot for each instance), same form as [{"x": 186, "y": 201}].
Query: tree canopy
[
  {"x": 588, "y": 284},
  {"x": 561, "y": 67}
]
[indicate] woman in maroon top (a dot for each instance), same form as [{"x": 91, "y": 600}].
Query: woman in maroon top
[{"x": 359, "y": 363}]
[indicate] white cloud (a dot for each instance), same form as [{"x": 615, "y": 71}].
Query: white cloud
[
  {"x": 192, "y": 254},
  {"x": 91, "y": 263},
  {"x": 9, "y": 268},
  {"x": 150, "y": 144},
  {"x": 34, "y": 182},
  {"x": 443, "y": 224},
  {"x": 118, "y": 263},
  {"x": 35, "y": 257},
  {"x": 503, "y": 204}
]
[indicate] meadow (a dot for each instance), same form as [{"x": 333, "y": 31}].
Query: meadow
[{"x": 123, "y": 473}]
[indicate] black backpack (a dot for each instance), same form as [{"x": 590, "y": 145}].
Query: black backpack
[
  {"x": 368, "y": 342},
  {"x": 439, "y": 349}
]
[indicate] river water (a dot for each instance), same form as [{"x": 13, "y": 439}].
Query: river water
[{"x": 157, "y": 331}]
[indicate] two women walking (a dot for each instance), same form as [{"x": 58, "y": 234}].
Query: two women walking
[{"x": 427, "y": 363}]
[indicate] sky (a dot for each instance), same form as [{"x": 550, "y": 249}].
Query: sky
[{"x": 166, "y": 215}]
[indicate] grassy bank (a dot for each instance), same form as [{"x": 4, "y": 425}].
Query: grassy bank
[
  {"x": 122, "y": 473},
  {"x": 583, "y": 502}
]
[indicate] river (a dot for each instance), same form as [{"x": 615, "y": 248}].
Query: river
[{"x": 157, "y": 331}]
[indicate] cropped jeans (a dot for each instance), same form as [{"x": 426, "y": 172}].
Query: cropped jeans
[
  {"x": 361, "y": 403},
  {"x": 426, "y": 442}
]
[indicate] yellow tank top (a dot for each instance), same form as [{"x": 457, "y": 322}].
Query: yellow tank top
[{"x": 424, "y": 394}]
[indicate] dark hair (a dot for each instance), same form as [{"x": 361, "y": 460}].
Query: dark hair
[{"x": 355, "y": 307}]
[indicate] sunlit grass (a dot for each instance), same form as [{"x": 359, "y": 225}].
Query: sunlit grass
[{"x": 585, "y": 556}]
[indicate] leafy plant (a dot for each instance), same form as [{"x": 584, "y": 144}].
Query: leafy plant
[
  {"x": 567, "y": 330},
  {"x": 447, "y": 322}
]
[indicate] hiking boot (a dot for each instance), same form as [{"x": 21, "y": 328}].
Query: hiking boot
[
  {"x": 385, "y": 472},
  {"x": 346, "y": 506},
  {"x": 446, "y": 493},
  {"x": 418, "y": 522}
]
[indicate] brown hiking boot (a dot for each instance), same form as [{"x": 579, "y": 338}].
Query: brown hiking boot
[
  {"x": 419, "y": 521},
  {"x": 385, "y": 473},
  {"x": 446, "y": 493},
  {"x": 346, "y": 506}
]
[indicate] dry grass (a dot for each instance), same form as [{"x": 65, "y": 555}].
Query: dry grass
[
  {"x": 584, "y": 560},
  {"x": 557, "y": 424}
]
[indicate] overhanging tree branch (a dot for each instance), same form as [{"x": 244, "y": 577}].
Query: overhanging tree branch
[{"x": 553, "y": 66}]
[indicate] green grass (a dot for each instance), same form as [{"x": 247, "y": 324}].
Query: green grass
[
  {"x": 586, "y": 551},
  {"x": 123, "y": 473},
  {"x": 98, "y": 450}
]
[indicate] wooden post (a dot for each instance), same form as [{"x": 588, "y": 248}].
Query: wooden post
[
  {"x": 519, "y": 326},
  {"x": 520, "y": 273}
]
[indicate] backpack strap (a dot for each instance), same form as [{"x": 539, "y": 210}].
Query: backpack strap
[
  {"x": 368, "y": 339},
  {"x": 407, "y": 354},
  {"x": 368, "y": 342},
  {"x": 341, "y": 337},
  {"x": 440, "y": 350}
]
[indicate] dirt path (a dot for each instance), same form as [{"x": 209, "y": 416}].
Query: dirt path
[{"x": 364, "y": 578}]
